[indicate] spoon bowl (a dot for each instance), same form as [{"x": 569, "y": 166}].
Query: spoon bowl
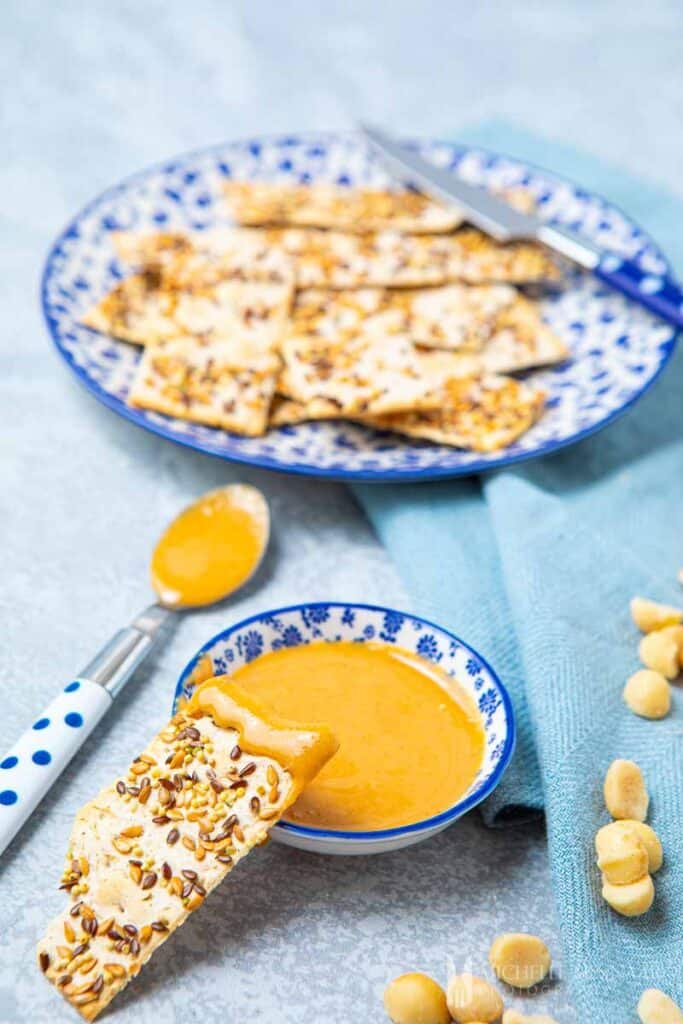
[{"x": 212, "y": 548}]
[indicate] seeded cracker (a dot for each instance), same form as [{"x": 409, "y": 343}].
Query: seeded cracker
[
  {"x": 336, "y": 259},
  {"x": 360, "y": 210},
  {"x": 334, "y": 206},
  {"x": 482, "y": 414},
  {"x": 453, "y": 316},
  {"x": 217, "y": 382},
  {"x": 333, "y": 259},
  {"x": 144, "y": 249},
  {"x": 137, "y": 310},
  {"x": 201, "y": 258},
  {"x": 503, "y": 326},
  {"x": 479, "y": 413},
  {"x": 149, "y": 848},
  {"x": 358, "y": 376},
  {"x": 352, "y": 350},
  {"x": 494, "y": 321},
  {"x": 520, "y": 340},
  {"x": 478, "y": 259},
  {"x": 145, "y": 308},
  {"x": 286, "y": 412}
]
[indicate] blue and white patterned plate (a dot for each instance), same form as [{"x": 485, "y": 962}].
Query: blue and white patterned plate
[
  {"x": 618, "y": 349},
  {"x": 359, "y": 623}
]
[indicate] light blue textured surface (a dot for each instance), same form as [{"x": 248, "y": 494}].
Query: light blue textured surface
[{"x": 536, "y": 566}]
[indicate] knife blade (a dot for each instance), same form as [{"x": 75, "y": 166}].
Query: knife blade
[
  {"x": 659, "y": 293},
  {"x": 492, "y": 215}
]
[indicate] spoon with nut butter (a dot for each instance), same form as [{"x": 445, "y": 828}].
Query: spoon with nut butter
[{"x": 209, "y": 551}]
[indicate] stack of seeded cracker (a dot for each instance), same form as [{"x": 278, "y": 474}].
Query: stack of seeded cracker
[{"x": 329, "y": 302}]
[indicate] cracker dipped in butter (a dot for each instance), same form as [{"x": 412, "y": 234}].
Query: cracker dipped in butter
[{"x": 146, "y": 852}]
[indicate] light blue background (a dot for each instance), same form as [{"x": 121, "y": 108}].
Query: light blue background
[{"x": 91, "y": 92}]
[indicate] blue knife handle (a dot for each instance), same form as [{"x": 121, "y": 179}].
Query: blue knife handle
[{"x": 658, "y": 293}]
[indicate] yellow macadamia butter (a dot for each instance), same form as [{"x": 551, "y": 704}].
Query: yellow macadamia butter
[
  {"x": 402, "y": 719},
  {"x": 520, "y": 960}
]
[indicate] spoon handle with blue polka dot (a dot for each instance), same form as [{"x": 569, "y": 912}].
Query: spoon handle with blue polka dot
[{"x": 41, "y": 754}]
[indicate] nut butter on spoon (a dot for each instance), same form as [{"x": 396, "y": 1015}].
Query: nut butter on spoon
[{"x": 213, "y": 547}]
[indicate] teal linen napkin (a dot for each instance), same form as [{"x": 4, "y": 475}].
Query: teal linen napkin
[{"x": 535, "y": 567}]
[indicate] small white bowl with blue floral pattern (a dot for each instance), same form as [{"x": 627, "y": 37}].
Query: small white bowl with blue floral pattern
[{"x": 309, "y": 623}]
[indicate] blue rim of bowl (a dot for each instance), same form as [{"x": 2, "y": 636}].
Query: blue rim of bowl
[
  {"x": 666, "y": 348},
  {"x": 445, "y": 817}
]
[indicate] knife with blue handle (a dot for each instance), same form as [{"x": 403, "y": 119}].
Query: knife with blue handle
[{"x": 656, "y": 292}]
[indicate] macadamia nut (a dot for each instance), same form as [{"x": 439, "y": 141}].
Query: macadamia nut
[
  {"x": 655, "y": 1007},
  {"x": 519, "y": 959},
  {"x": 648, "y": 838},
  {"x": 622, "y": 856},
  {"x": 649, "y": 615},
  {"x": 625, "y": 792},
  {"x": 661, "y": 650},
  {"x": 605, "y": 839},
  {"x": 416, "y": 999},
  {"x": 471, "y": 999},
  {"x": 630, "y": 900},
  {"x": 648, "y": 694}
]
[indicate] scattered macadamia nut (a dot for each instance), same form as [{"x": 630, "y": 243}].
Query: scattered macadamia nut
[
  {"x": 514, "y": 1017},
  {"x": 676, "y": 633},
  {"x": 520, "y": 960},
  {"x": 416, "y": 999},
  {"x": 649, "y": 615},
  {"x": 655, "y": 1007},
  {"x": 629, "y": 900},
  {"x": 648, "y": 694},
  {"x": 649, "y": 839},
  {"x": 661, "y": 650},
  {"x": 604, "y": 841},
  {"x": 472, "y": 1000},
  {"x": 622, "y": 856},
  {"x": 625, "y": 792}
]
